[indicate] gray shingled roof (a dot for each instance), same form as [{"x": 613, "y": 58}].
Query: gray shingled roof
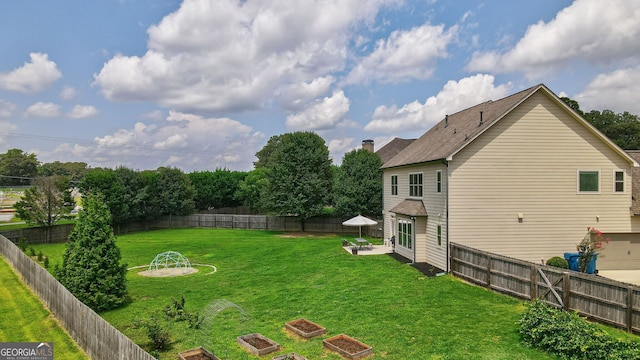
[
  {"x": 411, "y": 207},
  {"x": 392, "y": 148},
  {"x": 456, "y": 130}
]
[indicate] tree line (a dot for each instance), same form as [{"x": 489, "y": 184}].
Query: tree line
[{"x": 293, "y": 175}]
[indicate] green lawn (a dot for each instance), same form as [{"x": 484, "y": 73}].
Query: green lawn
[
  {"x": 25, "y": 319},
  {"x": 277, "y": 278}
]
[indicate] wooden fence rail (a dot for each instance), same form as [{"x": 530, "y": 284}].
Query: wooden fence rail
[
  {"x": 99, "y": 339},
  {"x": 60, "y": 233},
  {"x": 604, "y": 300}
]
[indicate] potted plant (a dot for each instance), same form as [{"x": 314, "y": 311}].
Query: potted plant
[
  {"x": 345, "y": 242},
  {"x": 354, "y": 250}
]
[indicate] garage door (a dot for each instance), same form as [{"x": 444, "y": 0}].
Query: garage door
[{"x": 621, "y": 253}]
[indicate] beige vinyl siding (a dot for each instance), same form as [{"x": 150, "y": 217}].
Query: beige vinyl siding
[
  {"x": 527, "y": 163},
  {"x": 425, "y": 228}
]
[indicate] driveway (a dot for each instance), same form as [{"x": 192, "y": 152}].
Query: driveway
[{"x": 628, "y": 276}]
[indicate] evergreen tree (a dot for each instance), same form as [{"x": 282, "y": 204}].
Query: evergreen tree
[{"x": 91, "y": 268}]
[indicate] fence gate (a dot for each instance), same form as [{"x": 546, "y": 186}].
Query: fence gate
[{"x": 551, "y": 287}]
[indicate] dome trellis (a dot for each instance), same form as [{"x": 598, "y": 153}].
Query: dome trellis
[{"x": 170, "y": 260}]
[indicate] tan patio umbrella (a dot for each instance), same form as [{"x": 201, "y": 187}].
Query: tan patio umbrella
[{"x": 359, "y": 221}]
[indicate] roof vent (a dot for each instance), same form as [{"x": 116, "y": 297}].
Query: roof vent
[
  {"x": 480, "y": 119},
  {"x": 446, "y": 120},
  {"x": 454, "y": 130},
  {"x": 466, "y": 137}
]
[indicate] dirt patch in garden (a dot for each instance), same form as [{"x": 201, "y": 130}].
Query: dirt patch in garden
[{"x": 168, "y": 272}]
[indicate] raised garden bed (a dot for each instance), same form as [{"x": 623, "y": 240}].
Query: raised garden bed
[
  {"x": 198, "y": 353},
  {"x": 347, "y": 346},
  {"x": 305, "y": 328},
  {"x": 258, "y": 344},
  {"x": 289, "y": 356}
]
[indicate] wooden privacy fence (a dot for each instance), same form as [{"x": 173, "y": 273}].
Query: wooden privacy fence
[
  {"x": 99, "y": 339},
  {"x": 604, "y": 300},
  {"x": 60, "y": 233}
]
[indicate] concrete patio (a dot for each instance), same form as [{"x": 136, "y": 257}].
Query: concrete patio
[{"x": 375, "y": 250}]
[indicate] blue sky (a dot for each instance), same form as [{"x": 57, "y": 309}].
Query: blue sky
[{"x": 201, "y": 85}]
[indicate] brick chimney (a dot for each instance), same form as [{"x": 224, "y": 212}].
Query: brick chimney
[{"x": 367, "y": 145}]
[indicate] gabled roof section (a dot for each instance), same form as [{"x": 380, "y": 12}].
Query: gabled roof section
[
  {"x": 455, "y": 131},
  {"x": 410, "y": 207},
  {"x": 392, "y": 148}
]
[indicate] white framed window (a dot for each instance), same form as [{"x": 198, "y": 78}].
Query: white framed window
[
  {"x": 439, "y": 181},
  {"x": 415, "y": 185},
  {"x": 588, "y": 181},
  {"x": 405, "y": 234},
  {"x": 618, "y": 181},
  {"x": 439, "y": 234},
  {"x": 394, "y": 184}
]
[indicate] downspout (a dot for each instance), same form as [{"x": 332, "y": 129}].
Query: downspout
[
  {"x": 413, "y": 232},
  {"x": 447, "y": 215}
]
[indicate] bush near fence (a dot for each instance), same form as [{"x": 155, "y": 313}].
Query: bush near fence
[
  {"x": 99, "y": 339},
  {"x": 60, "y": 233},
  {"x": 600, "y": 299}
]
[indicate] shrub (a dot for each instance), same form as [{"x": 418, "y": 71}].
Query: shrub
[
  {"x": 22, "y": 244},
  {"x": 558, "y": 262},
  {"x": 160, "y": 337},
  {"x": 32, "y": 251},
  {"x": 46, "y": 262},
  {"x": 40, "y": 255},
  {"x": 569, "y": 336}
]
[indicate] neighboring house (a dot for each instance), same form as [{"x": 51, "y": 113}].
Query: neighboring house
[
  {"x": 523, "y": 176},
  {"x": 392, "y": 148}
]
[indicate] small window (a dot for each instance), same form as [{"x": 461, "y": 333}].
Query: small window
[
  {"x": 439, "y": 235},
  {"x": 415, "y": 185},
  {"x": 618, "y": 181},
  {"x": 394, "y": 184},
  {"x": 439, "y": 181},
  {"x": 588, "y": 181}
]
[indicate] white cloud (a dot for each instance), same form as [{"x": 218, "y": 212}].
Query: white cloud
[
  {"x": 42, "y": 110},
  {"x": 226, "y": 55},
  {"x": 616, "y": 91},
  {"x": 155, "y": 115},
  {"x": 295, "y": 96},
  {"x": 68, "y": 93},
  {"x": 82, "y": 112},
  {"x": 32, "y": 77},
  {"x": 453, "y": 97},
  {"x": 404, "y": 55},
  {"x": 322, "y": 115},
  {"x": 6, "y": 109},
  {"x": 184, "y": 140},
  {"x": 593, "y": 31},
  {"x": 6, "y": 127}
]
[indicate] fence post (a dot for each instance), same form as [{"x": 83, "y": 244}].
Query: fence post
[
  {"x": 630, "y": 309},
  {"x": 566, "y": 289},
  {"x": 488, "y": 271},
  {"x": 533, "y": 290}
]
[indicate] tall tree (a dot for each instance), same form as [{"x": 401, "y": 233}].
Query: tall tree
[
  {"x": 91, "y": 268},
  {"x": 216, "y": 189},
  {"x": 45, "y": 203},
  {"x": 252, "y": 189},
  {"x": 358, "y": 187},
  {"x": 299, "y": 176},
  {"x": 175, "y": 191},
  {"x": 75, "y": 171},
  {"x": 17, "y": 168}
]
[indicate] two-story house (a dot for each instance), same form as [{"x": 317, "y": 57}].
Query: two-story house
[{"x": 523, "y": 176}]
